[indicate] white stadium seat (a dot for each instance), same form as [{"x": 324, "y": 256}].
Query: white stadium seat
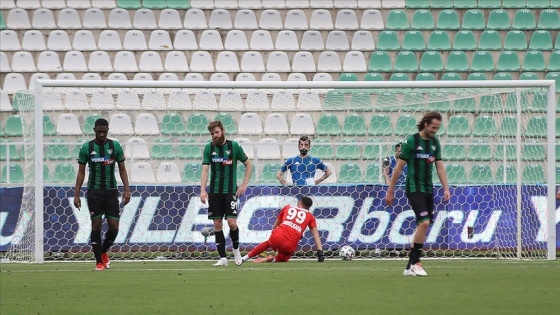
[
  {"x": 257, "y": 101},
  {"x": 144, "y": 19},
  {"x": 287, "y": 40},
  {"x": 9, "y": 41},
  {"x": 53, "y": 101},
  {"x": 195, "y": 19},
  {"x": 303, "y": 62},
  {"x": 102, "y": 4},
  {"x": 33, "y": 40},
  {"x": 68, "y": 124},
  {"x": 368, "y": 4},
  {"x": 312, "y": 41},
  {"x": 53, "y": 4},
  {"x": 276, "y": 124},
  {"x": 227, "y": 62},
  {"x": 84, "y": 40},
  {"x": 120, "y": 124},
  {"x": 218, "y": 76},
  {"x": 160, "y": 40},
  {"x": 128, "y": 99},
  {"x": 119, "y": 19},
  {"x": 102, "y": 100},
  {"x": 185, "y": 40},
  {"x": 125, "y": 62},
  {"x": 252, "y": 61},
  {"x": 142, "y": 172},
  {"x": 346, "y": 19},
  {"x": 202, "y": 4},
  {"x": 309, "y": 100},
  {"x": 76, "y": 99},
  {"x": 176, "y": 61},
  {"x": 247, "y": 146},
  {"x": 78, "y": 4},
  {"x": 302, "y": 124},
  {"x": 236, "y": 40},
  {"x": 18, "y": 19},
  {"x": 143, "y": 76},
  {"x": 135, "y": 40},
  {"x": 146, "y": 124},
  {"x": 59, "y": 41},
  {"x": 66, "y": 76},
  {"x": 74, "y": 61},
  {"x": 179, "y": 100},
  {"x": 13, "y": 82},
  {"x": 169, "y": 19},
  {"x": 109, "y": 40},
  {"x": 250, "y": 4},
  {"x": 168, "y": 172},
  {"x": 297, "y": 4},
  {"x": 220, "y": 19},
  {"x": 268, "y": 148},
  {"x": 321, "y": 19},
  {"x": 94, "y": 19},
  {"x": 226, "y": 4},
  {"x": 7, "y": 4},
  {"x": 323, "y": 4},
  {"x": 194, "y": 77},
  {"x": 283, "y": 100},
  {"x": 168, "y": 77},
  {"x": 271, "y": 77},
  {"x": 150, "y": 61},
  {"x": 329, "y": 62},
  {"x": 48, "y": 61},
  {"x": 322, "y": 76},
  {"x": 354, "y": 61},
  {"x": 205, "y": 100},
  {"x": 201, "y": 61},
  {"x": 261, "y": 40},
  {"x": 230, "y": 100},
  {"x": 91, "y": 76},
  {"x": 270, "y": 20},
  {"x": 296, "y": 20},
  {"x": 69, "y": 19},
  {"x": 245, "y": 20},
  {"x": 4, "y": 63},
  {"x": 362, "y": 41},
  {"x": 372, "y": 20},
  {"x": 297, "y": 77},
  {"x": 250, "y": 123},
  {"x": 22, "y": 61},
  {"x": 275, "y": 4},
  {"x": 152, "y": 100},
  {"x": 337, "y": 40},
  {"x": 37, "y": 76},
  {"x": 346, "y": 4},
  {"x": 211, "y": 40},
  {"x": 43, "y": 19},
  {"x": 100, "y": 61},
  {"x": 290, "y": 148}
]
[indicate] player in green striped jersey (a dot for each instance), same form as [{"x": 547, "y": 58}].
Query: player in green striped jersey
[
  {"x": 101, "y": 154},
  {"x": 220, "y": 158},
  {"x": 420, "y": 152}
]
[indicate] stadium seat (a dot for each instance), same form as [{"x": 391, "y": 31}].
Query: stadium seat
[
  {"x": 354, "y": 125},
  {"x": 250, "y": 124},
  {"x": 13, "y": 127},
  {"x": 283, "y": 100},
  {"x": 380, "y": 61},
  {"x": 328, "y": 124},
  {"x": 413, "y": 41},
  {"x": 448, "y": 20},
  {"x": 142, "y": 172},
  {"x": 136, "y": 148},
  {"x": 276, "y": 124},
  {"x": 89, "y": 123},
  {"x": 245, "y": 20},
  {"x": 360, "y": 100},
  {"x": 129, "y": 4},
  {"x": 192, "y": 172},
  {"x": 484, "y": 126},
  {"x": 241, "y": 173},
  {"x": 490, "y": 40},
  {"x": 388, "y": 40},
  {"x": 64, "y": 173},
  {"x": 119, "y": 19},
  {"x": 482, "y": 61},
  {"x": 458, "y": 126},
  {"x": 372, "y": 20},
  {"x": 195, "y": 19},
  {"x": 373, "y": 174},
  {"x": 302, "y": 62},
  {"x": 405, "y": 125},
  {"x": 350, "y": 173},
  {"x": 533, "y": 174},
  {"x": 354, "y": 61},
  {"x": 534, "y": 61},
  {"x": 9, "y": 41},
  {"x": 189, "y": 148},
  {"x": 431, "y": 61},
  {"x": 220, "y": 19},
  {"x": 380, "y": 125},
  {"x": 515, "y": 40},
  {"x": 489, "y": 4},
  {"x": 541, "y": 40},
  {"x": 536, "y": 127},
  {"x": 524, "y": 19},
  {"x": 169, "y": 19},
  {"x": 456, "y": 174},
  {"x": 68, "y": 124},
  {"x": 257, "y": 101},
  {"x": 397, "y": 20},
  {"x": 554, "y": 61},
  {"x": 17, "y": 19},
  {"x": 535, "y": 102},
  {"x": 533, "y": 151},
  {"x": 464, "y": 40},
  {"x": 453, "y": 151},
  {"x": 5, "y": 65},
  {"x": 197, "y": 124},
  {"x": 83, "y": 41},
  {"x": 268, "y": 148},
  {"x": 439, "y": 40},
  {"x": 312, "y": 40},
  {"x": 422, "y": 20},
  {"x": 144, "y": 19},
  {"x": 337, "y": 40},
  {"x": 508, "y": 127},
  {"x": 270, "y": 20},
  {"x": 268, "y": 173},
  {"x": 296, "y": 20},
  {"x": 549, "y": 20},
  {"x": 506, "y": 175},
  {"x": 457, "y": 61},
  {"x": 22, "y": 61},
  {"x": 346, "y": 19},
  {"x": 5, "y": 105},
  {"x": 146, "y": 124},
  {"x": 490, "y": 103},
  {"x": 12, "y": 173},
  {"x": 322, "y": 148},
  {"x": 498, "y": 20},
  {"x": 69, "y": 18},
  {"x": 480, "y": 151},
  {"x": 473, "y": 20},
  {"x": 230, "y": 125},
  {"x": 406, "y": 62},
  {"x": 481, "y": 174},
  {"x": 247, "y": 146},
  {"x": 33, "y": 40},
  {"x": 348, "y": 149},
  {"x": 227, "y": 62},
  {"x": 168, "y": 172},
  {"x": 308, "y": 100},
  {"x": 172, "y": 124},
  {"x": 74, "y": 61},
  {"x": 374, "y": 150},
  {"x": 451, "y": 76},
  {"x": 290, "y": 148},
  {"x": 94, "y": 19},
  {"x": 556, "y": 77},
  {"x": 506, "y": 150},
  {"x": 162, "y": 149},
  {"x": 9, "y": 151}
]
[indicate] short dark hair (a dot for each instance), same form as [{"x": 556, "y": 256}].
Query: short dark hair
[
  {"x": 427, "y": 119},
  {"x": 101, "y": 122},
  {"x": 304, "y": 138},
  {"x": 306, "y": 202},
  {"x": 398, "y": 145},
  {"x": 215, "y": 124}
]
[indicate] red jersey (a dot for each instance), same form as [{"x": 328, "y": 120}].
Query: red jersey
[{"x": 293, "y": 222}]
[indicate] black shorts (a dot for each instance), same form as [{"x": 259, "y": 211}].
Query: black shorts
[
  {"x": 423, "y": 206},
  {"x": 103, "y": 202},
  {"x": 222, "y": 205}
]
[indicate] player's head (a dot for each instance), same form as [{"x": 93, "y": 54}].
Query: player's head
[
  {"x": 304, "y": 144},
  {"x": 430, "y": 124},
  {"x": 217, "y": 133},
  {"x": 101, "y": 128},
  {"x": 398, "y": 148},
  {"x": 305, "y": 202}
]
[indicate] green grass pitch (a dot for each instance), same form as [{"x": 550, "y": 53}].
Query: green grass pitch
[{"x": 298, "y": 287}]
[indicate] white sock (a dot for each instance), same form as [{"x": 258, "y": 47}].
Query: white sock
[{"x": 245, "y": 258}]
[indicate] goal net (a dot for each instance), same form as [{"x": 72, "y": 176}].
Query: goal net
[{"x": 498, "y": 143}]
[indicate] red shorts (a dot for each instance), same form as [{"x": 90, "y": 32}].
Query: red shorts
[{"x": 283, "y": 246}]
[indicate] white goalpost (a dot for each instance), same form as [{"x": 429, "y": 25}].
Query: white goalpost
[{"x": 498, "y": 138}]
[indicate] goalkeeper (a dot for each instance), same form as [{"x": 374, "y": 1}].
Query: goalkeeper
[
  {"x": 303, "y": 166},
  {"x": 286, "y": 233}
]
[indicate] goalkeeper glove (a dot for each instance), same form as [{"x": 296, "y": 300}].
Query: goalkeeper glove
[{"x": 320, "y": 256}]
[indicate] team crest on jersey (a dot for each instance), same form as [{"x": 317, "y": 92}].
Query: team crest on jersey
[
  {"x": 228, "y": 152},
  {"x": 434, "y": 147},
  {"x": 110, "y": 151}
]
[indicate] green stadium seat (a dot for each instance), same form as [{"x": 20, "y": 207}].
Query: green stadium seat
[
  {"x": 528, "y": 76},
  {"x": 534, "y": 61},
  {"x": 490, "y": 103},
  {"x": 556, "y": 77},
  {"x": 477, "y": 76},
  {"x": 13, "y": 126},
  {"x": 556, "y": 45},
  {"x": 439, "y": 40},
  {"x": 129, "y": 4},
  {"x": 64, "y": 173},
  {"x": 451, "y": 76},
  {"x": 78, "y": 145},
  {"x": 399, "y": 77},
  {"x": 485, "y": 126},
  {"x": 506, "y": 175},
  {"x": 473, "y": 20},
  {"x": 269, "y": 171},
  {"x": 21, "y": 98},
  {"x": 558, "y": 127},
  {"x": 549, "y": 20},
  {"x": 13, "y": 173},
  {"x": 178, "y": 4},
  {"x": 533, "y": 151},
  {"x": 511, "y": 102},
  {"x": 189, "y": 148},
  {"x": 498, "y": 20},
  {"x": 503, "y": 76},
  {"x": 481, "y": 174},
  {"x": 482, "y": 61},
  {"x": 506, "y": 150},
  {"x": 154, "y": 4},
  {"x": 448, "y": 20},
  {"x": 489, "y": 4},
  {"x": 514, "y": 4},
  {"x": 406, "y": 62},
  {"x": 464, "y": 40},
  {"x": 533, "y": 174},
  {"x": 557, "y": 174},
  {"x": 554, "y": 61},
  {"x": 49, "y": 129},
  {"x": 524, "y": 19},
  {"x": 541, "y": 40},
  {"x": 536, "y": 127},
  {"x": 480, "y": 151},
  {"x": 334, "y": 99},
  {"x": 515, "y": 40},
  {"x": 58, "y": 151},
  {"x": 453, "y": 151},
  {"x": 89, "y": 123},
  {"x": 380, "y": 61},
  {"x": 439, "y": 102},
  {"x": 172, "y": 124},
  {"x": 464, "y": 103},
  {"x": 380, "y": 125},
  {"x": 360, "y": 100},
  {"x": 197, "y": 124},
  {"x": 508, "y": 127},
  {"x": 456, "y": 174},
  {"x": 388, "y": 40},
  {"x": 375, "y": 76},
  {"x": 46, "y": 174},
  {"x": 192, "y": 172},
  {"x": 538, "y": 4},
  {"x": 464, "y": 4},
  {"x": 374, "y": 174},
  {"x": 2, "y": 22},
  {"x": 412, "y": 101},
  {"x": 536, "y": 102},
  {"x": 397, "y": 19},
  {"x": 406, "y": 125},
  {"x": 458, "y": 126},
  {"x": 348, "y": 77},
  {"x": 435, "y": 177},
  {"x": 557, "y": 153},
  {"x": 349, "y": 150},
  {"x": 354, "y": 125},
  {"x": 9, "y": 151},
  {"x": 490, "y": 40},
  {"x": 350, "y": 173},
  {"x": 162, "y": 149},
  {"x": 323, "y": 149},
  {"x": 422, "y": 20},
  {"x": 387, "y": 102},
  {"x": 413, "y": 41},
  {"x": 457, "y": 61},
  {"x": 328, "y": 125},
  {"x": 230, "y": 125},
  {"x": 374, "y": 150},
  {"x": 431, "y": 61},
  {"x": 241, "y": 173},
  {"x": 425, "y": 77},
  {"x": 418, "y": 4}
]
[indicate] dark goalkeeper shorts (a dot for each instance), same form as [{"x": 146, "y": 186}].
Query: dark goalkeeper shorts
[
  {"x": 103, "y": 202},
  {"x": 423, "y": 206},
  {"x": 222, "y": 205}
]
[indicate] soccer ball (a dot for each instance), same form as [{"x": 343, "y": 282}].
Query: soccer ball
[{"x": 346, "y": 252}]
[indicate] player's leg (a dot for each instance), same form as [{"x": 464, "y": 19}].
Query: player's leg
[
  {"x": 423, "y": 217},
  {"x": 231, "y": 217},
  {"x": 112, "y": 213},
  {"x": 216, "y": 214},
  {"x": 95, "y": 206}
]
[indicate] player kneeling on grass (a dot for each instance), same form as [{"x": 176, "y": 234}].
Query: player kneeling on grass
[{"x": 287, "y": 231}]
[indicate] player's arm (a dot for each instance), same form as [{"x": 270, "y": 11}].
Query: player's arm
[
  {"x": 396, "y": 173},
  {"x": 327, "y": 173},
  {"x": 248, "y": 169},
  {"x": 558, "y": 194},
  {"x": 318, "y": 244},
  {"x": 203, "y": 182},
  {"x": 124, "y": 178},
  {"x": 442, "y": 174},
  {"x": 281, "y": 171},
  {"x": 276, "y": 223},
  {"x": 79, "y": 182},
  {"x": 385, "y": 166}
]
